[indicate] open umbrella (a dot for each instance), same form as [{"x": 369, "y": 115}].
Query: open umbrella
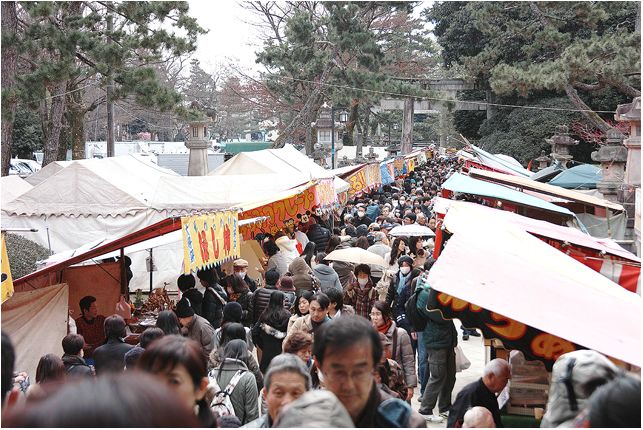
[
  {"x": 411, "y": 230},
  {"x": 356, "y": 255}
]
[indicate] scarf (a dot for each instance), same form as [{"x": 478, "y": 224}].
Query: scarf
[
  {"x": 402, "y": 282},
  {"x": 384, "y": 329}
]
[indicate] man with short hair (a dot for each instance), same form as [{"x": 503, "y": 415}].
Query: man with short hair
[
  {"x": 347, "y": 351},
  {"x": 317, "y": 316},
  {"x": 8, "y": 362},
  {"x": 409, "y": 218},
  {"x": 482, "y": 393},
  {"x": 286, "y": 380},
  {"x": 478, "y": 417},
  {"x": 187, "y": 286},
  {"x": 199, "y": 329},
  {"x": 91, "y": 326},
  {"x": 73, "y": 356},
  {"x": 214, "y": 297},
  {"x": 110, "y": 357}
]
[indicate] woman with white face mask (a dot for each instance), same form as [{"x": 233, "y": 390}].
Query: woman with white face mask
[
  {"x": 399, "y": 292},
  {"x": 360, "y": 294}
]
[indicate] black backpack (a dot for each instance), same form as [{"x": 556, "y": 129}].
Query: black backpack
[{"x": 418, "y": 322}]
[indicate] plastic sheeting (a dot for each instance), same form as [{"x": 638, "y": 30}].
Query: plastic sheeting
[
  {"x": 36, "y": 321},
  {"x": 612, "y": 227}
]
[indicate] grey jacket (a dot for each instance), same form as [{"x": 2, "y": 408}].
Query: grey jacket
[
  {"x": 327, "y": 277},
  {"x": 244, "y": 397},
  {"x": 403, "y": 354},
  {"x": 202, "y": 332}
]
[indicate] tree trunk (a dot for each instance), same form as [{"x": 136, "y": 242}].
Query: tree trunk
[
  {"x": 365, "y": 127},
  {"x": 9, "y": 63},
  {"x": 407, "y": 126},
  {"x": 52, "y": 144},
  {"x": 587, "y": 112},
  {"x": 310, "y": 140}
]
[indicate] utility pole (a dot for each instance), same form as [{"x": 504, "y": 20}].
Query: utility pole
[{"x": 110, "y": 89}]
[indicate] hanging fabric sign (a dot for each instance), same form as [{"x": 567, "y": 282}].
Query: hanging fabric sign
[
  {"x": 209, "y": 239},
  {"x": 7, "y": 281}
]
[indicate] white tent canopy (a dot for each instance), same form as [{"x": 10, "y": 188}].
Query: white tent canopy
[
  {"x": 13, "y": 186},
  {"x": 285, "y": 161}
]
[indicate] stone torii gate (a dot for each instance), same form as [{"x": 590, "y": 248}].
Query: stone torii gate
[{"x": 448, "y": 89}]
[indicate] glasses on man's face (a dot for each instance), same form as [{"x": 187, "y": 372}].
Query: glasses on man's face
[{"x": 359, "y": 375}]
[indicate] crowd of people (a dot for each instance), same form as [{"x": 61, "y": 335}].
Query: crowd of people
[{"x": 333, "y": 342}]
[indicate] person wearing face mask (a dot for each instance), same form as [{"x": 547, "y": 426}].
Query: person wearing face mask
[
  {"x": 240, "y": 268},
  {"x": 399, "y": 292},
  {"x": 361, "y": 217},
  {"x": 361, "y": 294}
]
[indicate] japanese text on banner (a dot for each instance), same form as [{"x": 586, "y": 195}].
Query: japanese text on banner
[{"x": 209, "y": 239}]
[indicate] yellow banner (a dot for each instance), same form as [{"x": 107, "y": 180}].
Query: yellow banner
[
  {"x": 209, "y": 239},
  {"x": 7, "y": 281}
]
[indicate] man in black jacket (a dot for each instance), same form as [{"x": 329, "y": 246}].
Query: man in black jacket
[
  {"x": 261, "y": 297},
  {"x": 214, "y": 297},
  {"x": 73, "y": 357},
  {"x": 319, "y": 235},
  {"x": 186, "y": 284},
  {"x": 481, "y": 393},
  {"x": 111, "y": 355}
]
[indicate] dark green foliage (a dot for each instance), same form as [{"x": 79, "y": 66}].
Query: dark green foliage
[
  {"x": 23, "y": 255},
  {"x": 521, "y": 133},
  {"x": 27, "y": 133}
]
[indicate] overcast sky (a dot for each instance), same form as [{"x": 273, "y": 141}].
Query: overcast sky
[{"x": 231, "y": 38}]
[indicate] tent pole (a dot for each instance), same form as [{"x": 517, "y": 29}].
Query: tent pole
[
  {"x": 151, "y": 269},
  {"x": 124, "y": 286}
]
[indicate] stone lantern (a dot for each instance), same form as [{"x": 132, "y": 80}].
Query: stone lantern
[
  {"x": 344, "y": 162},
  {"x": 371, "y": 156},
  {"x": 631, "y": 113},
  {"x": 393, "y": 150},
  {"x": 198, "y": 144},
  {"x": 612, "y": 156},
  {"x": 560, "y": 145},
  {"x": 329, "y": 132},
  {"x": 543, "y": 160}
]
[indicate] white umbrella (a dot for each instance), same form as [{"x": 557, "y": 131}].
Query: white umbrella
[
  {"x": 411, "y": 230},
  {"x": 356, "y": 255}
]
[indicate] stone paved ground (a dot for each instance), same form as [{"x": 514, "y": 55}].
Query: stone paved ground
[{"x": 474, "y": 350}]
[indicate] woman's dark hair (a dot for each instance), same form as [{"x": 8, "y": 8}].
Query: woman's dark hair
[
  {"x": 384, "y": 308},
  {"x": 342, "y": 333},
  {"x": 232, "y": 331},
  {"x": 236, "y": 349},
  {"x": 173, "y": 350},
  {"x": 335, "y": 295},
  {"x": 168, "y": 322},
  {"x": 320, "y": 258},
  {"x": 297, "y": 341},
  {"x": 332, "y": 243},
  {"x": 270, "y": 248},
  {"x": 115, "y": 326},
  {"x": 275, "y": 314},
  {"x": 149, "y": 335},
  {"x": 362, "y": 242},
  {"x": 413, "y": 243},
  {"x": 238, "y": 285},
  {"x": 306, "y": 295},
  {"x": 117, "y": 400},
  {"x": 50, "y": 368},
  {"x": 86, "y": 302},
  {"x": 395, "y": 249},
  {"x": 322, "y": 299},
  {"x": 73, "y": 343},
  {"x": 362, "y": 268},
  {"x": 308, "y": 252}
]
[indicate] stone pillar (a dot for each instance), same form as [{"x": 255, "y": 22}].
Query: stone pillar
[
  {"x": 198, "y": 145},
  {"x": 560, "y": 144},
  {"x": 543, "y": 160},
  {"x": 407, "y": 126},
  {"x": 631, "y": 113},
  {"x": 612, "y": 156}
]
